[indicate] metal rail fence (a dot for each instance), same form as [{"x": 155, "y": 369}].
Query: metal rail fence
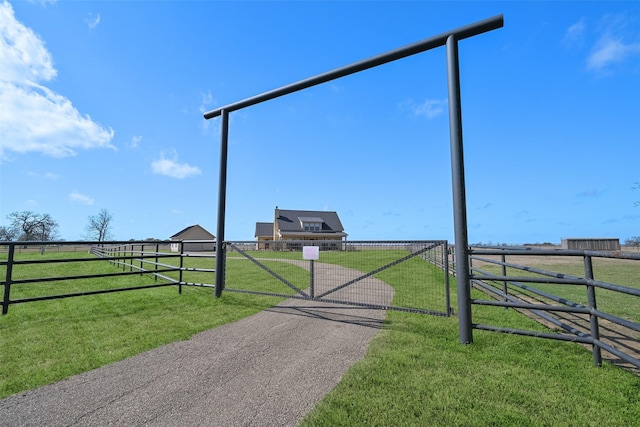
[
  {"x": 395, "y": 275},
  {"x": 345, "y": 272},
  {"x": 556, "y": 299},
  {"x": 34, "y": 274}
]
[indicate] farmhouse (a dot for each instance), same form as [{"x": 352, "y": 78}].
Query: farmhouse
[
  {"x": 196, "y": 238},
  {"x": 291, "y": 225}
]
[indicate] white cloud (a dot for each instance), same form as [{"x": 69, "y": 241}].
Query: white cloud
[
  {"x": 617, "y": 41},
  {"x": 430, "y": 108},
  {"x": 135, "y": 142},
  {"x": 81, "y": 198},
  {"x": 47, "y": 175},
  {"x": 92, "y": 21},
  {"x": 206, "y": 100},
  {"x": 575, "y": 32},
  {"x": 22, "y": 53},
  {"x": 33, "y": 118},
  {"x": 43, "y": 2},
  {"x": 609, "y": 50},
  {"x": 171, "y": 167}
]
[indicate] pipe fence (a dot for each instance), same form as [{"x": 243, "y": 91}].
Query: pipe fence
[
  {"x": 569, "y": 301},
  {"x": 40, "y": 271}
]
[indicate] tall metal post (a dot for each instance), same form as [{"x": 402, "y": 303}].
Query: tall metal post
[
  {"x": 459, "y": 198},
  {"x": 222, "y": 201}
]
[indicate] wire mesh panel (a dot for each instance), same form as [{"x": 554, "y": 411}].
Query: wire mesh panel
[{"x": 402, "y": 275}]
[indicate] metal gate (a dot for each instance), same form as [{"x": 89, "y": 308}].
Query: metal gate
[{"x": 395, "y": 275}]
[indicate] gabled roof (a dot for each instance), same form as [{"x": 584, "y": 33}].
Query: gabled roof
[
  {"x": 194, "y": 232},
  {"x": 291, "y": 220},
  {"x": 264, "y": 229}
]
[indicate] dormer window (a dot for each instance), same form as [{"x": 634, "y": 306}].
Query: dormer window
[
  {"x": 311, "y": 223},
  {"x": 312, "y": 226}
]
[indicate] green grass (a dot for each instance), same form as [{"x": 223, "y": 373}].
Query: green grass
[
  {"x": 415, "y": 371},
  {"x": 43, "y": 342}
]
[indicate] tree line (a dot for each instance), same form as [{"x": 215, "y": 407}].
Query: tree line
[{"x": 32, "y": 226}]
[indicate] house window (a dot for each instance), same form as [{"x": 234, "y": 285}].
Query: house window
[{"x": 312, "y": 226}]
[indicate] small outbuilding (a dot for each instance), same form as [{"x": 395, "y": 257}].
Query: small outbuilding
[
  {"x": 195, "y": 238},
  {"x": 592, "y": 244}
]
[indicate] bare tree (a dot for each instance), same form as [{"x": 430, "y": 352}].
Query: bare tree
[
  {"x": 99, "y": 226},
  {"x": 33, "y": 226},
  {"x": 7, "y": 234},
  {"x": 633, "y": 242}
]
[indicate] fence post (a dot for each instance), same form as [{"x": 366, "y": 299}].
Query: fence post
[
  {"x": 7, "y": 283},
  {"x": 463, "y": 279},
  {"x": 445, "y": 263},
  {"x": 155, "y": 276},
  {"x": 593, "y": 319},
  {"x": 181, "y": 266},
  {"x": 505, "y": 290},
  {"x": 311, "y": 293},
  {"x": 141, "y": 259}
]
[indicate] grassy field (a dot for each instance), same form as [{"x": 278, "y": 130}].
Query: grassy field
[
  {"x": 415, "y": 371},
  {"x": 43, "y": 342}
]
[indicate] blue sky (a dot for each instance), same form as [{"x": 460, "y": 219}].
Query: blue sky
[{"x": 101, "y": 107}]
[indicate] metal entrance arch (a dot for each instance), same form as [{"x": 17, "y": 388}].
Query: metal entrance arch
[{"x": 450, "y": 39}]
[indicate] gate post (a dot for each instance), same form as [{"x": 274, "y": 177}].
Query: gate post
[
  {"x": 459, "y": 199},
  {"x": 222, "y": 200}
]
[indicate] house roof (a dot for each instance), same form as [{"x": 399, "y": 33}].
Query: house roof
[
  {"x": 292, "y": 220},
  {"x": 193, "y": 232},
  {"x": 264, "y": 229}
]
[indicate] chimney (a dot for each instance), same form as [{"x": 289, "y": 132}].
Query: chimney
[{"x": 276, "y": 215}]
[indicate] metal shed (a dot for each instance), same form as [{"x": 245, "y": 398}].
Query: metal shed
[{"x": 592, "y": 244}]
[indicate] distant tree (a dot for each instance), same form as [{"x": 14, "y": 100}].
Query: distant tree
[
  {"x": 633, "y": 242},
  {"x": 33, "y": 226},
  {"x": 7, "y": 234},
  {"x": 99, "y": 226}
]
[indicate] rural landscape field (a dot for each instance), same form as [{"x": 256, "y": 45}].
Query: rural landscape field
[{"x": 415, "y": 371}]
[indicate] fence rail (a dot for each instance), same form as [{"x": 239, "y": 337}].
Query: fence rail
[
  {"x": 554, "y": 298},
  {"x": 28, "y": 269}
]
